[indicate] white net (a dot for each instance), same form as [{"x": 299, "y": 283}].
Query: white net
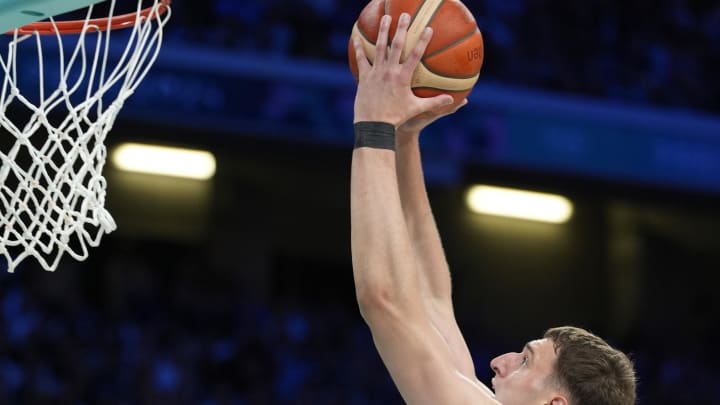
[{"x": 59, "y": 99}]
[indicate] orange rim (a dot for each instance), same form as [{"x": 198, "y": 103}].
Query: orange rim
[{"x": 94, "y": 24}]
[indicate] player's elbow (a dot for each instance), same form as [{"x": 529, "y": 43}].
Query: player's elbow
[{"x": 376, "y": 302}]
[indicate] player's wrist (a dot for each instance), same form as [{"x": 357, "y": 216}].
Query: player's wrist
[
  {"x": 406, "y": 140},
  {"x": 407, "y": 134},
  {"x": 377, "y": 117},
  {"x": 374, "y": 134},
  {"x": 372, "y": 111}
]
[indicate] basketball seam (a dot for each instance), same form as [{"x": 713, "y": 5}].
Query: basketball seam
[
  {"x": 446, "y": 75},
  {"x": 366, "y": 41},
  {"x": 417, "y": 10},
  {"x": 432, "y": 17},
  {"x": 424, "y": 77},
  {"x": 425, "y": 11},
  {"x": 362, "y": 34},
  {"x": 442, "y": 90},
  {"x": 452, "y": 44}
]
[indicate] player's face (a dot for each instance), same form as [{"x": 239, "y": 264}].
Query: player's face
[{"x": 522, "y": 378}]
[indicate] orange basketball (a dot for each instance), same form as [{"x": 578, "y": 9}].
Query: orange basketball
[{"x": 452, "y": 61}]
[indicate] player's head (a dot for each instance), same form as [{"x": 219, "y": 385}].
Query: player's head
[{"x": 568, "y": 366}]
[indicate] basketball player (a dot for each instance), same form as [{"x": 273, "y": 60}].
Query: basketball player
[{"x": 402, "y": 279}]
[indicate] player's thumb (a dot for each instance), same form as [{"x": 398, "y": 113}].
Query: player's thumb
[{"x": 433, "y": 103}]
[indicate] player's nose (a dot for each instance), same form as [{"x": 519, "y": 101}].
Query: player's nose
[{"x": 500, "y": 365}]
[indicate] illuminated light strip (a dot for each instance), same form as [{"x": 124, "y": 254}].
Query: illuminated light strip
[
  {"x": 519, "y": 204},
  {"x": 165, "y": 161}
]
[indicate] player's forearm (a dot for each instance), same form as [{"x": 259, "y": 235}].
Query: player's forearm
[
  {"x": 383, "y": 263},
  {"x": 419, "y": 218}
]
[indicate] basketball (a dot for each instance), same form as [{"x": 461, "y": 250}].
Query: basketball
[{"x": 453, "y": 59}]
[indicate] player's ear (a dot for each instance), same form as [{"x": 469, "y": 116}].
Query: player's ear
[{"x": 558, "y": 400}]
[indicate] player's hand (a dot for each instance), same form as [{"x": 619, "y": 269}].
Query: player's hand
[
  {"x": 414, "y": 125},
  {"x": 384, "y": 93}
]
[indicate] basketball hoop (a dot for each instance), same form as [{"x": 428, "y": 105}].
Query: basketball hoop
[
  {"x": 97, "y": 24},
  {"x": 52, "y": 192}
]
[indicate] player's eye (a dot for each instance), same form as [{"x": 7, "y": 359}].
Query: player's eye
[{"x": 524, "y": 360}]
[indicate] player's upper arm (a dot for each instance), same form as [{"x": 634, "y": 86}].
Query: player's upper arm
[
  {"x": 442, "y": 318},
  {"x": 419, "y": 359}
]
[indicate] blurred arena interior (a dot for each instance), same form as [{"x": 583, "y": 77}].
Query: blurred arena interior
[{"x": 239, "y": 290}]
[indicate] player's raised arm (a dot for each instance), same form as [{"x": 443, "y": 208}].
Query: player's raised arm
[
  {"x": 385, "y": 265},
  {"x": 433, "y": 269}
]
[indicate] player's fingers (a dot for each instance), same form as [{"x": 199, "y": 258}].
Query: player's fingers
[
  {"x": 362, "y": 62},
  {"x": 382, "y": 40},
  {"x": 452, "y": 109},
  {"x": 446, "y": 110},
  {"x": 398, "y": 42},
  {"x": 434, "y": 103},
  {"x": 419, "y": 50},
  {"x": 461, "y": 105}
]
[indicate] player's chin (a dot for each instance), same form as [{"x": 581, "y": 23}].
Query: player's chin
[{"x": 498, "y": 390}]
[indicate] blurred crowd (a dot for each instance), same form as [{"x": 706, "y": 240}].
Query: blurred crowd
[
  {"x": 148, "y": 330},
  {"x": 663, "y": 52},
  {"x": 165, "y": 328}
]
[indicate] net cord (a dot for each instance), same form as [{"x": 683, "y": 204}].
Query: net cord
[{"x": 57, "y": 207}]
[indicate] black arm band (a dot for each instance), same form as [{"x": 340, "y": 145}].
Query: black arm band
[{"x": 378, "y": 135}]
